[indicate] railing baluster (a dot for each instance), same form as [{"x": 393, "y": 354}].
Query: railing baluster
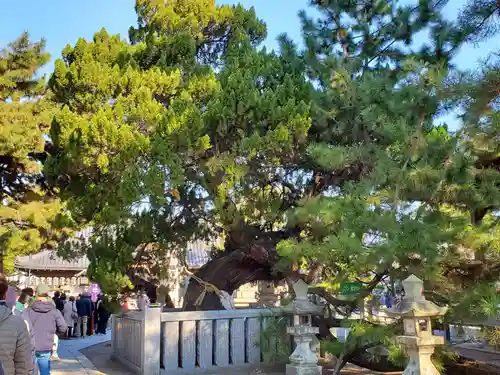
[
  {"x": 205, "y": 344},
  {"x": 171, "y": 346},
  {"x": 238, "y": 341},
  {"x": 188, "y": 346},
  {"x": 252, "y": 335},
  {"x": 222, "y": 342}
]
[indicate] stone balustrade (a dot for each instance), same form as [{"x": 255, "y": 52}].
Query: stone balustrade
[{"x": 153, "y": 342}]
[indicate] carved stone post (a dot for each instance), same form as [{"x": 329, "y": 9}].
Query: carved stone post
[
  {"x": 266, "y": 294},
  {"x": 303, "y": 360},
  {"x": 418, "y": 339}
]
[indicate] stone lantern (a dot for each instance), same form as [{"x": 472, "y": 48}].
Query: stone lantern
[
  {"x": 267, "y": 296},
  {"x": 303, "y": 360},
  {"x": 418, "y": 339}
]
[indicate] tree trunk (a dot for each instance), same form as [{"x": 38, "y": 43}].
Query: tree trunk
[
  {"x": 339, "y": 365},
  {"x": 249, "y": 255},
  {"x": 226, "y": 273},
  {"x": 167, "y": 300}
]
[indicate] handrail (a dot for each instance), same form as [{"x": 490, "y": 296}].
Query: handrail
[{"x": 179, "y": 316}]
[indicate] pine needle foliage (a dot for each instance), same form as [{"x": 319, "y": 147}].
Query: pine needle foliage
[
  {"x": 191, "y": 129},
  {"x": 31, "y": 216}
]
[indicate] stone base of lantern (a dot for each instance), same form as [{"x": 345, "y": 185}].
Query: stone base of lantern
[
  {"x": 303, "y": 360},
  {"x": 303, "y": 370},
  {"x": 419, "y": 352}
]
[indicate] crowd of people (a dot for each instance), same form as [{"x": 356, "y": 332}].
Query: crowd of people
[{"x": 32, "y": 322}]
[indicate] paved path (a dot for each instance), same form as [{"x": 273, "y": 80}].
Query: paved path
[
  {"x": 72, "y": 361},
  {"x": 479, "y": 353},
  {"x": 100, "y": 356},
  {"x": 98, "y": 349}
]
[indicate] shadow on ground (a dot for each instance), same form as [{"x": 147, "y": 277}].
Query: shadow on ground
[{"x": 100, "y": 356}]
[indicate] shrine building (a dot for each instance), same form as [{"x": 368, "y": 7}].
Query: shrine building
[{"x": 47, "y": 268}]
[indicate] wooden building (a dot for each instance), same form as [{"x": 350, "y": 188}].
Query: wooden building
[{"x": 48, "y": 268}]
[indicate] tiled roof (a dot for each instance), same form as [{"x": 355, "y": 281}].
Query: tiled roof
[
  {"x": 197, "y": 254},
  {"x": 49, "y": 260}
]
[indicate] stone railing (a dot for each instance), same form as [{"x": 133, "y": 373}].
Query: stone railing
[
  {"x": 151, "y": 342},
  {"x": 133, "y": 339}
]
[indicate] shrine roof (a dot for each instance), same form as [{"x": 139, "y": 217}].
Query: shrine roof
[
  {"x": 197, "y": 254},
  {"x": 48, "y": 260}
]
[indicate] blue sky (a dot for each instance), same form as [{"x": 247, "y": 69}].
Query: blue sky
[{"x": 63, "y": 22}]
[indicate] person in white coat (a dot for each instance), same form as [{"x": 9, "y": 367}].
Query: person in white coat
[{"x": 69, "y": 313}]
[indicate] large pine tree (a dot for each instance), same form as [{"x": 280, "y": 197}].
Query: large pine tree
[
  {"x": 180, "y": 133},
  {"x": 190, "y": 129},
  {"x": 29, "y": 213},
  {"x": 404, "y": 190},
  {"x": 407, "y": 196}
]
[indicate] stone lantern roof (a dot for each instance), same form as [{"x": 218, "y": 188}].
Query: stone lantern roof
[{"x": 414, "y": 304}]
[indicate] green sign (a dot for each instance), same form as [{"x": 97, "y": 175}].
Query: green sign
[{"x": 350, "y": 288}]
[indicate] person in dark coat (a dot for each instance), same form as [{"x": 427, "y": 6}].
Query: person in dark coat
[
  {"x": 84, "y": 310},
  {"x": 58, "y": 301},
  {"x": 103, "y": 316}
]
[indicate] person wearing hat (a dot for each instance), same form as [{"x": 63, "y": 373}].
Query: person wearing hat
[
  {"x": 15, "y": 345},
  {"x": 23, "y": 301},
  {"x": 45, "y": 321}
]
